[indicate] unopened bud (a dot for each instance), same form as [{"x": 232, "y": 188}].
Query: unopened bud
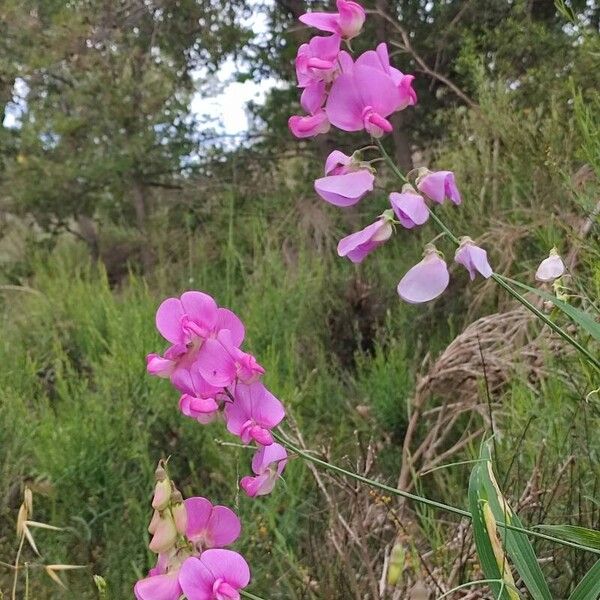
[
  {"x": 154, "y": 522},
  {"x": 165, "y": 535},
  {"x": 160, "y": 474},
  {"x": 179, "y": 514},
  {"x": 28, "y": 501},
  {"x": 162, "y": 494}
]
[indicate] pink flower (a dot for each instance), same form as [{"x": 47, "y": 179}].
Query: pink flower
[
  {"x": 410, "y": 207},
  {"x": 253, "y": 413},
  {"x": 338, "y": 163},
  {"x": 199, "y": 399},
  {"x": 346, "y": 189},
  {"x": 426, "y": 280},
  {"x": 310, "y": 125},
  {"x": 347, "y": 22},
  {"x": 268, "y": 464},
  {"x": 215, "y": 575},
  {"x": 550, "y": 268},
  {"x": 379, "y": 59},
  {"x": 438, "y": 186},
  {"x": 362, "y": 99},
  {"x": 317, "y": 60},
  {"x": 357, "y": 246},
  {"x": 210, "y": 526},
  {"x": 159, "y": 587},
  {"x": 187, "y": 322},
  {"x": 473, "y": 258}
]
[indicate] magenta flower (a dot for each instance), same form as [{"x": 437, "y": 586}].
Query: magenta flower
[
  {"x": 357, "y": 246},
  {"x": 199, "y": 399},
  {"x": 379, "y": 59},
  {"x": 338, "y": 163},
  {"x": 409, "y": 207},
  {"x": 187, "y": 322},
  {"x": 253, "y": 413},
  {"x": 347, "y": 22},
  {"x": 550, "y": 268},
  {"x": 268, "y": 464},
  {"x": 210, "y": 526},
  {"x": 439, "y": 186},
  {"x": 317, "y": 60},
  {"x": 163, "y": 586},
  {"x": 362, "y": 99},
  {"x": 473, "y": 258},
  {"x": 346, "y": 189},
  {"x": 309, "y": 125},
  {"x": 426, "y": 280},
  {"x": 215, "y": 575}
]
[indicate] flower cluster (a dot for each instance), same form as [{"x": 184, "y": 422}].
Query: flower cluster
[
  {"x": 216, "y": 378},
  {"x": 361, "y": 94},
  {"x": 189, "y": 537}
]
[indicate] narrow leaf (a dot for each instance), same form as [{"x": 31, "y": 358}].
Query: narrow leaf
[
  {"x": 589, "y": 586},
  {"x": 573, "y": 533}
]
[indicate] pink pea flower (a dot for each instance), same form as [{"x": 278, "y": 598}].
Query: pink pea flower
[
  {"x": 210, "y": 526},
  {"x": 164, "y": 586},
  {"x": 186, "y": 322},
  {"x": 309, "y": 125},
  {"x": 215, "y": 575},
  {"x": 268, "y": 464},
  {"x": 550, "y": 268},
  {"x": 347, "y": 22},
  {"x": 338, "y": 163},
  {"x": 357, "y": 246},
  {"x": 473, "y": 258},
  {"x": 439, "y": 186},
  {"x": 200, "y": 399},
  {"x": 409, "y": 207},
  {"x": 253, "y": 413},
  {"x": 346, "y": 189},
  {"x": 362, "y": 99},
  {"x": 426, "y": 280},
  {"x": 379, "y": 59},
  {"x": 317, "y": 60}
]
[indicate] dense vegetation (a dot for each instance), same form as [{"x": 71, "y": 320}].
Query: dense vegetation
[{"x": 112, "y": 198}]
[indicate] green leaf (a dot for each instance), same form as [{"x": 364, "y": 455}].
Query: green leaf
[
  {"x": 580, "y": 317},
  {"x": 573, "y": 533},
  {"x": 483, "y": 543},
  {"x": 517, "y": 544},
  {"x": 589, "y": 586}
]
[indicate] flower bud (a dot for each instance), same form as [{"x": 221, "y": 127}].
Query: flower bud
[
  {"x": 165, "y": 535},
  {"x": 179, "y": 512},
  {"x": 162, "y": 494}
]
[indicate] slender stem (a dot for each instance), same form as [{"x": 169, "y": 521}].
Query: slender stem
[
  {"x": 420, "y": 499},
  {"x": 468, "y": 584},
  {"x": 246, "y": 594},
  {"x": 499, "y": 279},
  {"x": 16, "y": 567}
]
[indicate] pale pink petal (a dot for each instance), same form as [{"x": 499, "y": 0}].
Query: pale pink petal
[
  {"x": 260, "y": 485},
  {"x": 439, "y": 186},
  {"x": 159, "y": 366},
  {"x": 313, "y": 97},
  {"x": 357, "y": 246},
  {"x": 168, "y": 320},
  {"x": 196, "y": 579},
  {"x": 158, "y": 587},
  {"x": 550, "y": 268},
  {"x": 345, "y": 190},
  {"x": 410, "y": 208},
  {"x": 335, "y": 162},
  {"x": 425, "y": 281},
  {"x": 309, "y": 126},
  {"x": 268, "y": 455},
  {"x": 322, "y": 21},
  {"x": 474, "y": 259}
]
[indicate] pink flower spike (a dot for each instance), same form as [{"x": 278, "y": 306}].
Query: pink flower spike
[
  {"x": 474, "y": 259},
  {"x": 347, "y": 189},
  {"x": 309, "y": 126},
  {"x": 215, "y": 575},
  {"x": 210, "y": 526},
  {"x": 357, "y": 246},
  {"x": 410, "y": 208},
  {"x": 426, "y": 280},
  {"x": 159, "y": 587},
  {"x": 347, "y": 22},
  {"x": 317, "y": 60},
  {"x": 362, "y": 99},
  {"x": 438, "y": 186},
  {"x": 550, "y": 268},
  {"x": 268, "y": 464},
  {"x": 253, "y": 413}
]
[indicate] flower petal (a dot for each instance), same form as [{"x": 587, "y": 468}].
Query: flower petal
[{"x": 425, "y": 281}]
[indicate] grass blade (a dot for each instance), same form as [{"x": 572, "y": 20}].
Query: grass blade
[
  {"x": 589, "y": 586},
  {"x": 573, "y": 533}
]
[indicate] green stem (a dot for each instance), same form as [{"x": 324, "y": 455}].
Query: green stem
[
  {"x": 469, "y": 584},
  {"x": 499, "y": 279},
  {"x": 420, "y": 499},
  {"x": 246, "y": 594}
]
